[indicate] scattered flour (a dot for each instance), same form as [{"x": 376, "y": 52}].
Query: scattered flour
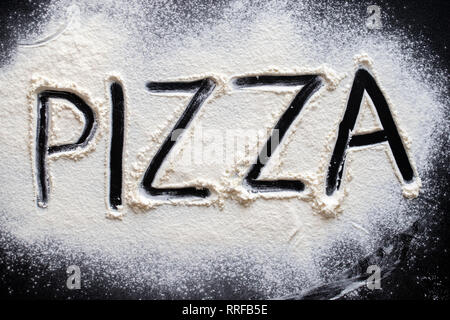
[{"x": 134, "y": 44}]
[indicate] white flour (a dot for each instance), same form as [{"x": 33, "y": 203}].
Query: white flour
[{"x": 279, "y": 230}]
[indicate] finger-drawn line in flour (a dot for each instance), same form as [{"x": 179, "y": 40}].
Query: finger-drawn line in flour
[
  {"x": 203, "y": 89},
  {"x": 310, "y": 83},
  {"x": 116, "y": 148},
  {"x": 73, "y": 13},
  {"x": 364, "y": 82},
  {"x": 42, "y": 147}
]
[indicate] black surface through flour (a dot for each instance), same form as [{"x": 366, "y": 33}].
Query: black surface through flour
[
  {"x": 310, "y": 84},
  {"x": 364, "y": 82},
  {"x": 43, "y": 149},
  {"x": 414, "y": 264},
  {"x": 202, "y": 90}
]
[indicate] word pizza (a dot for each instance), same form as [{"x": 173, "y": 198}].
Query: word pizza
[{"x": 201, "y": 90}]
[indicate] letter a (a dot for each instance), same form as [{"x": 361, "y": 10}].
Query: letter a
[{"x": 346, "y": 139}]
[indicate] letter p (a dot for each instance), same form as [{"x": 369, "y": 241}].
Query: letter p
[{"x": 43, "y": 150}]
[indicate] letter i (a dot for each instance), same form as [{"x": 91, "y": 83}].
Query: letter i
[{"x": 116, "y": 148}]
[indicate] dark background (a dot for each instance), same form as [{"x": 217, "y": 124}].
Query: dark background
[{"x": 417, "y": 268}]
